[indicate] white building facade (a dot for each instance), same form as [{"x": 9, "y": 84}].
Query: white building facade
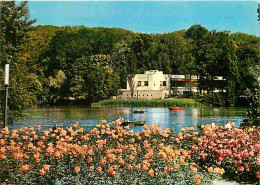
[{"x": 154, "y": 84}]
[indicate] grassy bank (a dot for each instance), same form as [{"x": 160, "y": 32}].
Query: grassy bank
[{"x": 148, "y": 103}]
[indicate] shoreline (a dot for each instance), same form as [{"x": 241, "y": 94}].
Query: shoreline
[{"x": 148, "y": 103}]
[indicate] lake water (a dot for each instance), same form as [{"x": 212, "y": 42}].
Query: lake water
[{"x": 90, "y": 116}]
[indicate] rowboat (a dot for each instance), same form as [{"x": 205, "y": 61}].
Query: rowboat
[
  {"x": 176, "y": 108},
  {"x": 134, "y": 122},
  {"x": 138, "y": 111}
]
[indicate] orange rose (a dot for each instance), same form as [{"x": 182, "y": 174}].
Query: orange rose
[
  {"x": 198, "y": 179},
  {"x": 99, "y": 169},
  {"x": 111, "y": 171},
  {"x": 91, "y": 168},
  {"x": 77, "y": 169},
  {"x": 129, "y": 167},
  {"x": 182, "y": 159},
  {"x": 151, "y": 172},
  {"x": 89, "y": 159},
  {"x": 2, "y": 156},
  {"x": 46, "y": 167},
  {"x": 42, "y": 171},
  {"x": 25, "y": 168},
  {"x": 163, "y": 155},
  {"x": 75, "y": 125},
  {"x": 176, "y": 167},
  {"x": 2, "y": 142}
]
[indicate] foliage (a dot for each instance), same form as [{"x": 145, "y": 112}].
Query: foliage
[
  {"x": 235, "y": 150},
  {"x": 24, "y": 85},
  {"x": 196, "y": 51},
  {"x": 258, "y": 11},
  {"x": 115, "y": 154},
  {"x": 214, "y": 99},
  {"x": 148, "y": 103},
  {"x": 101, "y": 80},
  {"x": 55, "y": 85},
  {"x": 97, "y": 62},
  {"x": 108, "y": 154},
  {"x": 253, "y": 111}
]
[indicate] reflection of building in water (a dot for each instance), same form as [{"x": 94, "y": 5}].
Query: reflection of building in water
[
  {"x": 195, "y": 116},
  {"x": 154, "y": 84},
  {"x": 180, "y": 117}
]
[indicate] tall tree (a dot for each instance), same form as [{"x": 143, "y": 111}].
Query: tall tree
[
  {"x": 124, "y": 62},
  {"x": 258, "y": 12},
  {"x": 101, "y": 80},
  {"x": 15, "y": 25},
  {"x": 199, "y": 38}
]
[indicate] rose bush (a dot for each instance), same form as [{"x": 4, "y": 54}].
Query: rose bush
[
  {"x": 108, "y": 154},
  {"x": 235, "y": 150},
  {"x": 114, "y": 154}
]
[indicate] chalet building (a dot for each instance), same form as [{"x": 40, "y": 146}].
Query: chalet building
[{"x": 154, "y": 84}]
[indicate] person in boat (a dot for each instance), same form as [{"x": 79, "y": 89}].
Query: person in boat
[
  {"x": 228, "y": 125},
  {"x": 140, "y": 109},
  {"x": 213, "y": 124},
  {"x": 142, "y": 118}
]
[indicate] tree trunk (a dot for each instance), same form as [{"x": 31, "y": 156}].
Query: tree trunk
[{"x": 130, "y": 80}]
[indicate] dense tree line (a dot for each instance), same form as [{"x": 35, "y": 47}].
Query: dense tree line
[
  {"x": 49, "y": 64},
  {"x": 113, "y": 54}
]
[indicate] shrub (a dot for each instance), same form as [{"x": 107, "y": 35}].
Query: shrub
[
  {"x": 108, "y": 154},
  {"x": 148, "y": 103},
  {"x": 215, "y": 99}
]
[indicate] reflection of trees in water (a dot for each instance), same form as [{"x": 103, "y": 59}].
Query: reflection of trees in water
[{"x": 226, "y": 112}]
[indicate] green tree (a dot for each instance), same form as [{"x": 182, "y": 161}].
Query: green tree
[
  {"x": 248, "y": 56},
  {"x": 124, "y": 62},
  {"x": 258, "y": 12},
  {"x": 171, "y": 52},
  {"x": 56, "y": 84},
  {"x": 119, "y": 61},
  {"x": 15, "y": 25},
  {"x": 198, "y": 36},
  {"x": 101, "y": 81}
]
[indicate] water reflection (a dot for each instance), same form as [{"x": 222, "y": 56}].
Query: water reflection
[{"x": 89, "y": 117}]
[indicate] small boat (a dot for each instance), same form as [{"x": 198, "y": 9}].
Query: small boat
[
  {"x": 134, "y": 122},
  {"x": 176, "y": 108},
  {"x": 138, "y": 111}
]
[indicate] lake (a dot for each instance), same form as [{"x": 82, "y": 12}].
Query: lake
[{"x": 90, "y": 116}]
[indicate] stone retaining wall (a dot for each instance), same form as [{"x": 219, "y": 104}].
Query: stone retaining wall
[{"x": 144, "y": 94}]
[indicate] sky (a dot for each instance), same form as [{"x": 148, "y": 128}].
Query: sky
[{"x": 149, "y": 16}]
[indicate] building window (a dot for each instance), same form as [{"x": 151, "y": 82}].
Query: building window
[
  {"x": 164, "y": 83},
  {"x": 179, "y": 84},
  {"x": 145, "y": 83},
  {"x": 139, "y": 83}
]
